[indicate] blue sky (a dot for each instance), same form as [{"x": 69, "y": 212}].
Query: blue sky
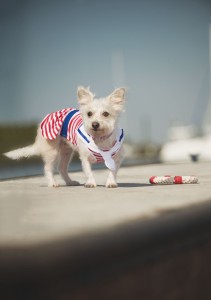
[{"x": 159, "y": 50}]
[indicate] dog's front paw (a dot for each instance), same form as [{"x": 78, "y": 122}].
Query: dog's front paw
[
  {"x": 55, "y": 185},
  {"x": 111, "y": 185},
  {"x": 90, "y": 184}
]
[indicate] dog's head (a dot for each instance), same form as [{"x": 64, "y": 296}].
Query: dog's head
[{"x": 100, "y": 115}]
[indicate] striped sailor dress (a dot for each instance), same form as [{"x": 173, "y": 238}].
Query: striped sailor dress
[{"x": 68, "y": 123}]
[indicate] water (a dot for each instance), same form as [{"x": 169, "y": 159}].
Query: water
[{"x": 18, "y": 170}]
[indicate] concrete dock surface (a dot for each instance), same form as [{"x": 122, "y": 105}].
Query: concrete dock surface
[
  {"x": 137, "y": 241},
  {"x": 31, "y": 212}
]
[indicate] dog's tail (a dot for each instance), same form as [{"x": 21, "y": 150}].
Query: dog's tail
[{"x": 22, "y": 152}]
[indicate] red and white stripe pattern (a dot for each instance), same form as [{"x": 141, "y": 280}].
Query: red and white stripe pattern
[
  {"x": 99, "y": 157},
  {"x": 52, "y": 124},
  {"x": 167, "y": 179},
  {"x": 74, "y": 123}
]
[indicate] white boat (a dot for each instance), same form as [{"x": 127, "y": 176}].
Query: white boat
[{"x": 184, "y": 143}]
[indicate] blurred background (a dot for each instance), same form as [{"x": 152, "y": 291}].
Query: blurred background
[{"x": 158, "y": 49}]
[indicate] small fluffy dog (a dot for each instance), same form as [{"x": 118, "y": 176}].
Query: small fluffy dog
[{"x": 92, "y": 131}]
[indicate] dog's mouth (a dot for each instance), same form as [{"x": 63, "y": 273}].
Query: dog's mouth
[
  {"x": 100, "y": 134},
  {"x": 96, "y": 129}
]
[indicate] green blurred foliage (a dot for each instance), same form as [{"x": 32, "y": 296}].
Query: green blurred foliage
[
  {"x": 18, "y": 136},
  {"x": 15, "y": 136}
]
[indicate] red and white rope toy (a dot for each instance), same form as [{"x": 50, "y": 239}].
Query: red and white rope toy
[{"x": 173, "y": 179}]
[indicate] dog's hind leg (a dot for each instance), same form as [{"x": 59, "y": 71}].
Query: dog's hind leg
[
  {"x": 66, "y": 154},
  {"x": 50, "y": 159}
]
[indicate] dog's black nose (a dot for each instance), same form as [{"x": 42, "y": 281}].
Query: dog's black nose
[{"x": 95, "y": 125}]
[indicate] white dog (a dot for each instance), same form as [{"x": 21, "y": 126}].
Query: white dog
[{"x": 92, "y": 131}]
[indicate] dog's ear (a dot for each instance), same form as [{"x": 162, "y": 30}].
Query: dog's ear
[
  {"x": 117, "y": 99},
  {"x": 84, "y": 95}
]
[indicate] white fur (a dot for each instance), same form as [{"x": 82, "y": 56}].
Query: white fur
[{"x": 105, "y": 113}]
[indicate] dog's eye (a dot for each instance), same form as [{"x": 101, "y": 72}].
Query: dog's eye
[
  {"x": 105, "y": 114},
  {"x": 89, "y": 114}
]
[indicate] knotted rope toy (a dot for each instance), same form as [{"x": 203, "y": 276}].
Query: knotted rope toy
[{"x": 167, "y": 179}]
